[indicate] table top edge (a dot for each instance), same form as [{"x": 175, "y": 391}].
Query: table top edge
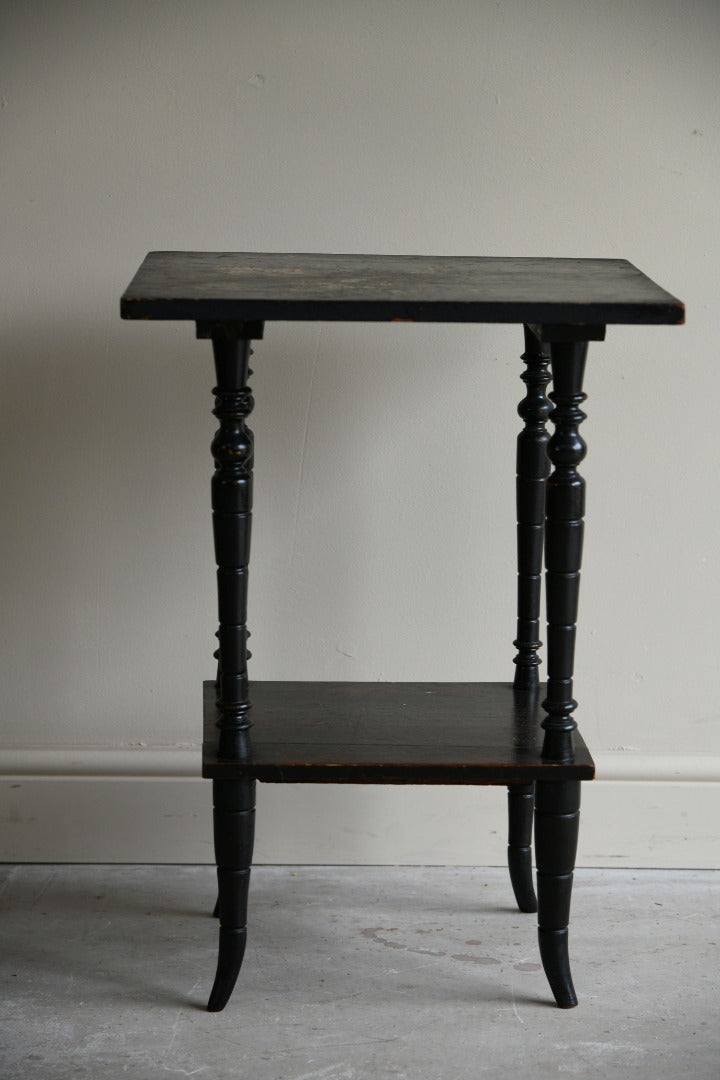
[{"x": 164, "y": 288}]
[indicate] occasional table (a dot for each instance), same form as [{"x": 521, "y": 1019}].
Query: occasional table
[{"x": 519, "y": 734}]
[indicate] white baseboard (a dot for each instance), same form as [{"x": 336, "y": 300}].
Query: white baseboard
[
  {"x": 149, "y": 806},
  {"x": 177, "y": 763}
]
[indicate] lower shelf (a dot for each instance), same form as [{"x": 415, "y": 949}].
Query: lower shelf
[{"x": 392, "y": 733}]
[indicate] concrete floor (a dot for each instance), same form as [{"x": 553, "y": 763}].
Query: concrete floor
[{"x": 353, "y": 974}]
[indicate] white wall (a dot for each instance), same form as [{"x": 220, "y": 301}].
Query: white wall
[{"x": 554, "y": 127}]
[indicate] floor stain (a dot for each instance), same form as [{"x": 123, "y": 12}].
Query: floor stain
[
  {"x": 467, "y": 958},
  {"x": 373, "y": 933}
]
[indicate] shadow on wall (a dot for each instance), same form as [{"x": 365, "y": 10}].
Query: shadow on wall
[
  {"x": 106, "y": 553},
  {"x": 100, "y": 473},
  {"x": 356, "y": 572}
]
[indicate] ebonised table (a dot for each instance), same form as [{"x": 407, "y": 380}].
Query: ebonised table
[{"x": 517, "y": 734}]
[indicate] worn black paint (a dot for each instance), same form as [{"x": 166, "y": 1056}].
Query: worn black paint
[
  {"x": 234, "y": 829},
  {"x": 232, "y": 490},
  {"x": 202, "y": 285},
  {"x": 557, "y": 819},
  {"x": 564, "y": 530},
  {"x": 521, "y": 805},
  {"x": 532, "y": 468},
  {"x": 426, "y": 733},
  {"x": 398, "y": 733}
]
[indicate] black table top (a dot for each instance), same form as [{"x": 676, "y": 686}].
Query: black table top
[{"x": 204, "y": 285}]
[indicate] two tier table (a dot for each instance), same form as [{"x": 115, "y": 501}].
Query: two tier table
[{"x": 520, "y": 734}]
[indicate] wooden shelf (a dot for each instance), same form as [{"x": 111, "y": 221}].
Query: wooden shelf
[{"x": 392, "y": 733}]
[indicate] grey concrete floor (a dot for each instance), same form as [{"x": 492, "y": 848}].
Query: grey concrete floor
[{"x": 352, "y": 974}]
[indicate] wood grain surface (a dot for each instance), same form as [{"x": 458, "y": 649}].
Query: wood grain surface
[
  {"x": 262, "y": 286},
  {"x": 413, "y": 733}
]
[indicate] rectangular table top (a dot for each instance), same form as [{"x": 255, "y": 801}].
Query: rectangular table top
[{"x": 248, "y": 286}]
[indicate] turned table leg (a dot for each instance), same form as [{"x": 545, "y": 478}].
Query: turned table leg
[
  {"x": 233, "y": 799},
  {"x": 521, "y": 803},
  {"x": 557, "y": 818},
  {"x": 557, "y": 803},
  {"x": 234, "y": 830},
  {"x": 532, "y": 467}
]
